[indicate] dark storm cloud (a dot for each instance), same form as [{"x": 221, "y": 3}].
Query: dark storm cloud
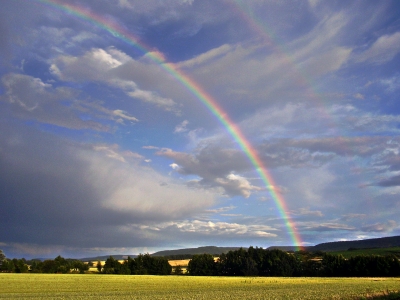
[
  {"x": 46, "y": 198},
  {"x": 56, "y": 192},
  {"x": 392, "y": 181}
]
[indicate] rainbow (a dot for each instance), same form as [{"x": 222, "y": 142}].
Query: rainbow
[{"x": 194, "y": 88}]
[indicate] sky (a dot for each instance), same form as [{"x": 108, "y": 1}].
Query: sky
[{"x": 134, "y": 126}]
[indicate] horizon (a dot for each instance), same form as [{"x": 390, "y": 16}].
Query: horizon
[{"x": 135, "y": 126}]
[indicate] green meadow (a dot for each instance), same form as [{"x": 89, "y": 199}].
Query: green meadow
[{"x": 94, "y": 286}]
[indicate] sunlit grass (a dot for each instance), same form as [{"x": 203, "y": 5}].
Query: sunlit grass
[{"x": 94, "y": 286}]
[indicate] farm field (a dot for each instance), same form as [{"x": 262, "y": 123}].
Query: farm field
[{"x": 93, "y": 286}]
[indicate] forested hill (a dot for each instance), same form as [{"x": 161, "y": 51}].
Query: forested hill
[
  {"x": 385, "y": 242},
  {"x": 199, "y": 250},
  {"x": 104, "y": 257}
]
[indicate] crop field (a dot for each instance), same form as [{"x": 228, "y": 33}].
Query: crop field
[{"x": 93, "y": 286}]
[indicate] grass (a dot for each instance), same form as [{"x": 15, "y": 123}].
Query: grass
[{"x": 94, "y": 286}]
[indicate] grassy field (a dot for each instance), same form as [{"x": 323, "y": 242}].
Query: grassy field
[
  {"x": 373, "y": 251},
  {"x": 93, "y": 286}
]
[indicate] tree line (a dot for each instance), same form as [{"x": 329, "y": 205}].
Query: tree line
[
  {"x": 57, "y": 265},
  {"x": 143, "y": 264},
  {"x": 242, "y": 262},
  {"x": 261, "y": 262}
]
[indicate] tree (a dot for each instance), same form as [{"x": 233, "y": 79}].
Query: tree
[
  {"x": 20, "y": 265},
  {"x": 99, "y": 266},
  {"x": 49, "y": 266},
  {"x": 7, "y": 266},
  {"x": 80, "y": 266},
  {"x": 202, "y": 264},
  {"x": 111, "y": 266},
  {"x": 2, "y": 257},
  {"x": 178, "y": 270}
]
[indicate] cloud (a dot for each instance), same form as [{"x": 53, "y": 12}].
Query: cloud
[
  {"x": 236, "y": 185},
  {"x": 108, "y": 66},
  {"x": 112, "y": 151},
  {"x": 359, "y": 96},
  {"x": 307, "y": 212},
  {"x": 325, "y": 226},
  {"x": 382, "y": 50},
  {"x": 316, "y": 152},
  {"x": 31, "y": 98},
  {"x": 388, "y": 226},
  {"x": 221, "y": 209},
  {"x": 124, "y": 116},
  {"x": 174, "y": 166},
  {"x": 197, "y": 227},
  {"x": 206, "y": 57},
  {"x": 391, "y": 84},
  {"x": 215, "y": 166},
  {"x": 389, "y": 182},
  {"x": 352, "y": 216},
  {"x": 181, "y": 127},
  {"x": 326, "y": 62},
  {"x": 209, "y": 162},
  {"x": 83, "y": 195}
]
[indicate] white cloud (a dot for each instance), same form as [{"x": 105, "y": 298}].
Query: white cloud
[
  {"x": 108, "y": 66},
  {"x": 206, "y": 57},
  {"x": 181, "y": 127},
  {"x": 198, "y": 227},
  {"x": 122, "y": 114},
  {"x": 112, "y": 151},
  {"x": 235, "y": 184},
  {"x": 391, "y": 84},
  {"x": 383, "y": 50},
  {"x": 325, "y": 62},
  {"x": 359, "y": 96},
  {"x": 221, "y": 209},
  {"x": 174, "y": 166},
  {"x": 325, "y": 226}
]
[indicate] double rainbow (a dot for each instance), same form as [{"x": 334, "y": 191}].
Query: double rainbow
[{"x": 194, "y": 88}]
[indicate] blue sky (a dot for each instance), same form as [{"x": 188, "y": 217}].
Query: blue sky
[{"x": 102, "y": 151}]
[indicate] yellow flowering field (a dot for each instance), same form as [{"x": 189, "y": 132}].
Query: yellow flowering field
[{"x": 94, "y": 286}]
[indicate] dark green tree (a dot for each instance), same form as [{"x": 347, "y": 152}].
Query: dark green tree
[
  {"x": 36, "y": 266},
  {"x": 99, "y": 267},
  {"x": 79, "y": 266},
  {"x": 333, "y": 265},
  {"x": 20, "y": 265},
  {"x": 2, "y": 257},
  {"x": 202, "y": 265},
  {"x": 111, "y": 266},
  {"x": 7, "y": 266},
  {"x": 177, "y": 270}
]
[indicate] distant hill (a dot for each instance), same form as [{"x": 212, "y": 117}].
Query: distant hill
[
  {"x": 284, "y": 248},
  {"x": 199, "y": 250},
  {"x": 104, "y": 257},
  {"x": 385, "y": 242}
]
